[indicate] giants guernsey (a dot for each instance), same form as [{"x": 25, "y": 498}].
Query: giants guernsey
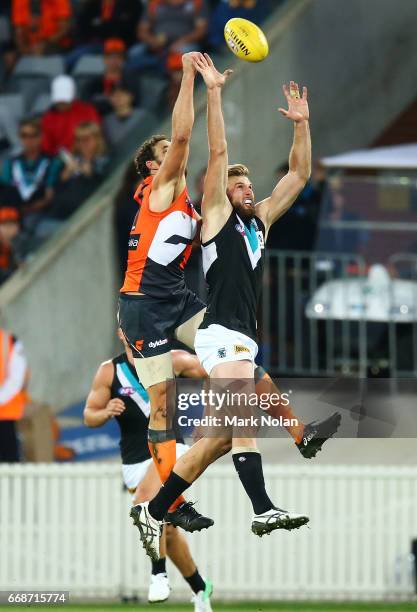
[
  {"x": 160, "y": 244},
  {"x": 233, "y": 268}
]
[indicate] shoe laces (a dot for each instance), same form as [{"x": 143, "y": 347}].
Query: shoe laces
[{"x": 188, "y": 508}]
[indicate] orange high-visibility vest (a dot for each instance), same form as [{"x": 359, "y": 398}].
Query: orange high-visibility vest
[{"x": 14, "y": 408}]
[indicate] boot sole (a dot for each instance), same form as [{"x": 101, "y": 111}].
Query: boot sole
[
  {"x": 149, "y": 550},
  {"x": 285, "y": 522}
]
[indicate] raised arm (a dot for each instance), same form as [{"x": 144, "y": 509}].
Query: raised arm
[
  {"x": 288, "y": 188},
  {"x": 99, "y": 407},
  {"x": 169, "y": 181},
  {"x": 215, "y": 206}
]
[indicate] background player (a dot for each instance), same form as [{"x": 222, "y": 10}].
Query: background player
[
  {"x": 116, "y": 392},
  {"x": 155, "y": 305},
  {"x": 233, "y": 238}
]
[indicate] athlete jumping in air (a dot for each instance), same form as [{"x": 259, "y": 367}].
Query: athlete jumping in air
[
  {"x": 234, "y": 232},
  {"x": 155, "y": 305},
  {"x": 116, "y": 392}
]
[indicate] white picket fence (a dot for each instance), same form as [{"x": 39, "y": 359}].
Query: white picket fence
[{"x": 67, "y": 527}]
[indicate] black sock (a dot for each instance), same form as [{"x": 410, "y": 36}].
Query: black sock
[
  {"x": 249, "y": 467},
  {"x": 159, "y": 567},
  {"x": 196, "y": 582},
  {"x": 168, "y": 493}
]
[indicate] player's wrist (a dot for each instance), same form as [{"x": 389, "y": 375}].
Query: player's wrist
[{"x": 301, "y": 122}]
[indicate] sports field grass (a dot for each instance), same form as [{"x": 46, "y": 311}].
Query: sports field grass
[{"x": 238, "y": 607}]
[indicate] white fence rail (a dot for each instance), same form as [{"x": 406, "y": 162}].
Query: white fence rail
[{"x": 67, "y": 527}]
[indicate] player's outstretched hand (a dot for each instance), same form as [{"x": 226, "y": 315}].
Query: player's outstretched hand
[
  {"x": 188, "y": 61},
  {"x": 115, "y": 407},
  {"x": 297, "y": 105},
  {"x": 212, "y": 77}
]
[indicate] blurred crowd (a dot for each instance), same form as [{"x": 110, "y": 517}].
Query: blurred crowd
[{"x": 76, "y": 78}]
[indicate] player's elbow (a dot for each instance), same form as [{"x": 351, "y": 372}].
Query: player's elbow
[
  {"x": 87, "y": 418},
  {"x": 218, "y": 150},
  {"x": 181, "y": 139}
]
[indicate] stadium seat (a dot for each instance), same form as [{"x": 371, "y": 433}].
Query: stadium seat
[
  {"x": 32, "y": 76},
  {"x": 5, "y": 33},
  {"x": 89, "y": 65},
  {"x": 14, "y": 103},
  {"x": 48, "y": 66},
  {"x": 41, "y": 104}
]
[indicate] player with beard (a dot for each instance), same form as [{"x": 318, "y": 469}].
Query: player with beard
[{"x": 234, "y": 232}]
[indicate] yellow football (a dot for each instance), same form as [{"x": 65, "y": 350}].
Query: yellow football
[{"x": 246, "y": 40}]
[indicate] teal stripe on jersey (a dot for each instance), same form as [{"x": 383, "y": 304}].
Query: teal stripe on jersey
[
  {"x": 135, "y": 384},
  {"x": 252, "y": 237}
]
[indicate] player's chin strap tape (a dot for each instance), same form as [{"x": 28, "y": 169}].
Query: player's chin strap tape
[
  {"x": 165, "y": 435},
  {"x": 259, "y": 373}
]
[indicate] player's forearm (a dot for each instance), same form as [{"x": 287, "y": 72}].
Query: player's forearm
[
  {"x": 183, "y": 114},
  {"x": 300, "y": 155},
  {"x": 215, "y": 122},
  {"x": 94, "y": 418}
]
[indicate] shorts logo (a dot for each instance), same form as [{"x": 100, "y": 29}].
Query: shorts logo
[
  {"x": 221, "y": 353},
  {"x": 132, "y": 245},
  {"x": 126, "y": 391},
  {"x": 158, "y": 343},
  {"x": 139, "y": 345},
  {"x": 239, "y": 348}
]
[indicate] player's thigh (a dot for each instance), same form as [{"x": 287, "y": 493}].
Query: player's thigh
[
  {"x": 192, "y": 314},
  {"x": 226, "y": 353},
  {"x": 153, "y": 372}
]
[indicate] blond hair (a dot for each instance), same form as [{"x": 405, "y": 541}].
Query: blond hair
[
  {"x": 237, "y": 170},
  {"x": 93, "y": 129}
]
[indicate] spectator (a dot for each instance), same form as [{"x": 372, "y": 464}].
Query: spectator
[
  {"x": 119, "y": 124},
  {"x": 115, "y": 75},
  {"x": 32, "y": 174},
  {"x": 98, "y": 20},
  {"x": 60, "y": 122},
  {"x": 254, "y": 10},
  {"x": 9, "y": 230},
  {"x": 83, "y": 173},
  {"x": 41, "y": 27},
  {"x": 14, "y": 375},
  {"x": 168, "y": 29}
]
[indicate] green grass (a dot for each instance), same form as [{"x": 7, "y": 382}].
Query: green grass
[{"x": 239, "y": 607}]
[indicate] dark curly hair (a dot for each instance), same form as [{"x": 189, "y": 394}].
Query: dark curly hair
[{"x": 146, "y": 152}]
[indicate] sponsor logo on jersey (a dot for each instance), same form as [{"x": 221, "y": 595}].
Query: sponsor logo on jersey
[
  {"x": 221, "y": 353},
  {"x": 139, "y": 345},
  {"x": 132, "y": 245},
  {"x": 239, "y": 348},
  {"x": 240, "y": 229},
  {"x": 156, "y": 343},
  {"x": 126, "y": 391}
]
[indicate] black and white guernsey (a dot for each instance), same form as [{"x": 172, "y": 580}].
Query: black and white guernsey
[{"x": 233, "y": 263}]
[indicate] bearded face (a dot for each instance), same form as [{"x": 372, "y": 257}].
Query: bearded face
[{"x": 241, "y": 196}]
